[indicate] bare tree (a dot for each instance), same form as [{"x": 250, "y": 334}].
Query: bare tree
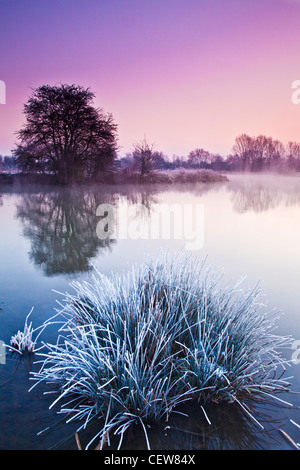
[
  {"x": 242, "y": 148},
  {"x": 258, "y": 153},
  {"x": 293, "y": 149},
  {"x": 144, "y": 157},
  {"x": 293, "y": 155},
  {"x": 199, "y": 156}
]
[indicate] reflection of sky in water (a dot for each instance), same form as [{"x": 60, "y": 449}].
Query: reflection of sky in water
[{"x": 251, "y": 229}]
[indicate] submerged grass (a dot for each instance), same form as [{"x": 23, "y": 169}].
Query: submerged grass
[{"x": 133, "y": 347}]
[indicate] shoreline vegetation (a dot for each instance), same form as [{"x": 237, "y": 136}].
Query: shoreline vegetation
[{"x": 180, "y": 175}]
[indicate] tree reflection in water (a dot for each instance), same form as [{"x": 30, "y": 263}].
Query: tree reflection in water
[
  {"x": 264, "y": 193},
  {"x": 61, "y": 226}
]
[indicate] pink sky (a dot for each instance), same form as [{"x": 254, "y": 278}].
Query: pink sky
[{"x": 183, "y": 73}]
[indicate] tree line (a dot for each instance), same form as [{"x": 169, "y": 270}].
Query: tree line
[
  {"x": 67, "y": 136},
  {"x": 253, "y": 154},
  {"x": 7, "y": 163}
]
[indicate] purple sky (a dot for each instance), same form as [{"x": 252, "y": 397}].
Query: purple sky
[{"x": 183, "y": 73}]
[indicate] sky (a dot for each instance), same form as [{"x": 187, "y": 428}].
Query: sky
[{"x": 181, "y": 73}]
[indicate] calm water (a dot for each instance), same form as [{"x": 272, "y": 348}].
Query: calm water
[{"x": 251, "y": 229}]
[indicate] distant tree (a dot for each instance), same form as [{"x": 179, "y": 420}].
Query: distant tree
[
  {"x": 178, "y": 162},
  {"x": 7, "y": 163},
  {"x": 242, "y": 149},
  {"x": 278, "y": 154},
  {"x": 218, "y": 163},
  {"x": 293, "y": 149},
  {"x": 126, "y": 163},
  {"x": 144, "y": 157},
  {"x": 160, "y": 161},
  {"x": 132, "y": 161},
  {"x": 65, "y": 134},
  {"x": 258, "y": 153},
  {"x": 199, "y": 157},
  {"x": 293, "y": 155},
  {"x": 261, "y": 149}
]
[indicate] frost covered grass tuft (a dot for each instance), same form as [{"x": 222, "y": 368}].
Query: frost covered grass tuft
[
  {"x": 22, "y": 342},
  {"x": 132, "y": 347}
]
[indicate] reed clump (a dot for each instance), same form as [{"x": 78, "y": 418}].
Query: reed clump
[{"x": 134, "y": 346}]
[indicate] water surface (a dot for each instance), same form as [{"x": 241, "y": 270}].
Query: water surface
[{"x": 251, "y": 229}]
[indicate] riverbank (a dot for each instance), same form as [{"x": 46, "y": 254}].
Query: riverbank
[
  {"x": 124, "y": 177},
  {"x": 27, "y": 179},
  {"x": 179, "y": 175}
]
